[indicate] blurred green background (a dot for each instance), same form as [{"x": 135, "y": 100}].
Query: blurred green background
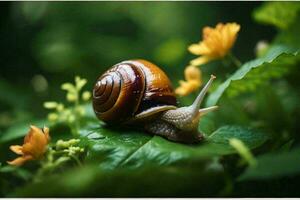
[{"x": 44, "y": 44}]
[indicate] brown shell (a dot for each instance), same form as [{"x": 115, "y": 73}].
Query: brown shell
[{"x": 129, "y": 88}]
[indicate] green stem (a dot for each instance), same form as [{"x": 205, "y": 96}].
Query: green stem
[
  {"x": 77, "y": 104},
  {"x": 76, "y": 159},
  {"x": 235, "y": 60}
]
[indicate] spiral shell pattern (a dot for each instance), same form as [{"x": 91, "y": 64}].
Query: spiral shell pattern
[{"x": 127, "y": 88}]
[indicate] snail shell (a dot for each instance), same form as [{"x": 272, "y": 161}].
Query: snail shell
[{"x": 130, "y": 88}]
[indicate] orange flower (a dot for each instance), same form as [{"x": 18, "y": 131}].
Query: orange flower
[
  {"x": 216, "y": 43},
  {"x": 34, "y": 147},
  {"x": 193, "y": 81}
]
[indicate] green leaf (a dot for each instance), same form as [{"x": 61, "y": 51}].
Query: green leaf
[
  {"x": 274, "y": 165},
  {"x": 250, "y": 137},
  {"x": 17, "y": 171},
  {"x": 152, "y": 181},
  {"x": 134, "y": 149},
  {"x": 290, "y": 36},
  {"x": 279, "y": 14},
  {"x": 278, "y": 61}
]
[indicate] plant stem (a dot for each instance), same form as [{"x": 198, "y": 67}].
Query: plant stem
[
  {"x": 76, "y": 159},
  {"x": 76, "y": 124},
  {"x": 235, "y": 60}
]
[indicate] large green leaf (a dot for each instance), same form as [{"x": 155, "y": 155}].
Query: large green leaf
[
  {"x": 276, "y": 63},
  {"x": 134, "y": 149},
  {"x": 162, "y": 174},
  {"x": 274, "y": 165},
  {"x": 151, "y": 181}
]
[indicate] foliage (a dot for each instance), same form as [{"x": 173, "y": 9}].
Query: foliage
[
  {"x": 73, "y": 114},
  {"x": 89, "y": 181},
  {"x": 280, "y": 14},
  {"x": 135, "y": 149},
  {"x": 251, "y": 143},
  {"x": 263, "y": 171},
  {"x": 257, "y": 72}
]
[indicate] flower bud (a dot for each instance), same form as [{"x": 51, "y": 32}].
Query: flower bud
[
  {"x": 80, "y": 82},
  {"x": 86, "y": 95},
  {"x": 50, "y": 104},
  {"x": 60, "y": 107},
  {"x": 61, "y": 144},
  {"x": 52, "y": 117},
  {"x": 68, "y": 87},
  {"x": 80, "y": 110},
  {"x": 71, "y": 118},
  {"x": 71, "y": 97}
]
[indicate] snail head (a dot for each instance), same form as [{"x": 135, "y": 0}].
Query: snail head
[{"x": 187, "y": 118}]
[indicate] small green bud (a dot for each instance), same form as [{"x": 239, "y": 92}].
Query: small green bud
[
  {"x": 86, "y": 95},
  {"x": 60, "y": 144},
  {"x": 65, "y": 114},
  {"x": 77, "y": 79},
  {"x": 60, "y": 107},
  {"x": 74, "y": 150},
  {"x": 50, "y": 104},
  {"x": 80, "y": 82},
  {"x": 71, "y": 97},
  {"x": 52, "y": 117},
  {"x": 73, "y": 141},
  {"x": 68, "y": 87},
  {"x": 80, "y": 110},
  {"x": 261, "y": 48},
  {"x": 71, "y": 118}
]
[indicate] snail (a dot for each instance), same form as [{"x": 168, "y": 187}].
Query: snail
[{"x": 138, "y": 93}]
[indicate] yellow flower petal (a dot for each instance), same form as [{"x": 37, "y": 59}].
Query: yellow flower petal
[
  {"x": 201, "y": 60},
  {"x": 192, "y": 73},
  {"x": 46, "y": 132},
  {"x": 17, "y": 149},
  {"x": 193, "y": 81},
  {"x": 20, "y": 160},
  {"x": 216, "y": 42},
  {"x": 187, "y": 87}
]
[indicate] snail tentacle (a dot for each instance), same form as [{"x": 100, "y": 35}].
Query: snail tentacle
[
  {"x": 153, "y": 111},
  {"x": 204, "y": 111}
]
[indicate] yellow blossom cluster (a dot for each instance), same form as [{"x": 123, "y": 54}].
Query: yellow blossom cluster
[
  {"x": 216, "y": 44},
  {"x": 192, "y": 81}
]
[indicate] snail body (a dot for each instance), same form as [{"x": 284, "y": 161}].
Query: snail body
[{"x": 138, "y": 93}]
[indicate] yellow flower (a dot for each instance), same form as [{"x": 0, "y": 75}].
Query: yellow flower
[
  {"x": 34, "y": 147},
  {"x": 216, "y": 43},
  {"x": 193, "y": 81}
]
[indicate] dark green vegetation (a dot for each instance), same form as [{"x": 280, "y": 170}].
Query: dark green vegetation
[{"x": 45, "y": 44}]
